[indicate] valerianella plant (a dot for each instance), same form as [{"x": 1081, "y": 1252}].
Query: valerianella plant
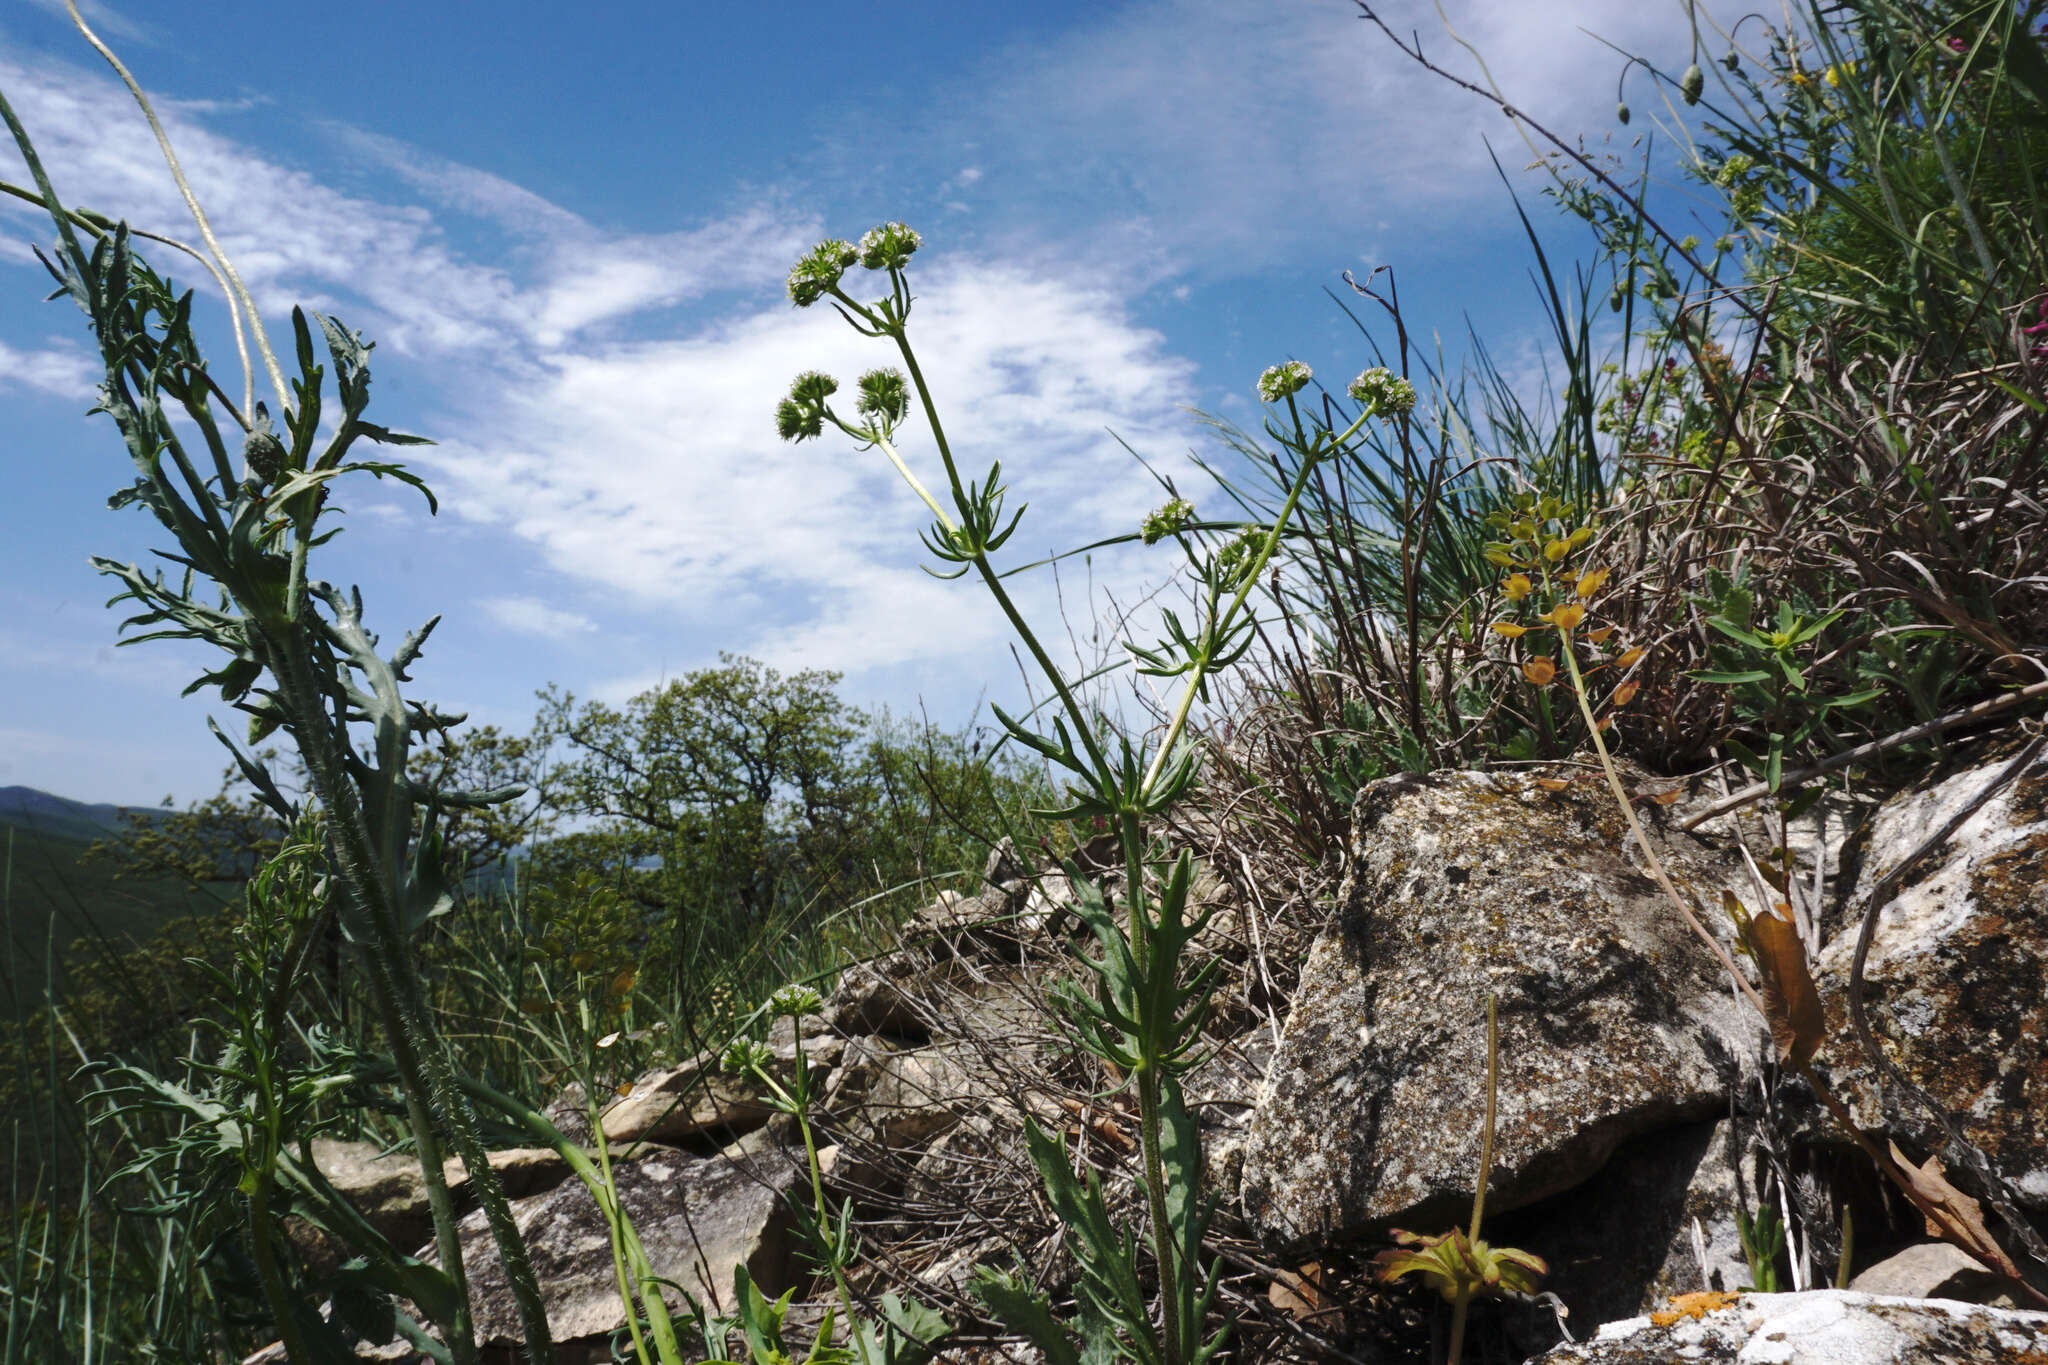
[{"x": 1146, "y": 1013}]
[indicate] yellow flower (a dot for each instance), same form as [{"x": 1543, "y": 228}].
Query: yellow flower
[
  {"x": 1591, "y": 583},
  {"x": 1556, "y": 550},
  {"x": 1565, "y": 616},
  {"x": 1631, "y": 657},
  {"x": 1509, "y": 629},
  {"x": 1517, "y": 587},
  {"x": 1539, "y": 671},
  {"x": 1626, "y": 693},
  {"x": 1599, "y": 637}
]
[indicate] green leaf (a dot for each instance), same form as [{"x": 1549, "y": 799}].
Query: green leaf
[
  {"x": 1739, "y": 633},
  {"x": 1026, "y": 1312},
  {"x": 1717, "y": 675}
]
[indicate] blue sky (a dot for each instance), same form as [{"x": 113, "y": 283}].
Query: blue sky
[{"x": 567, "y": 227}]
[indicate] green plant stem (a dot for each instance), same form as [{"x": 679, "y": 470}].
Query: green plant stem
[
  {"x": 1459, "y": 1306},
  {"x": 1200, "y": 672},
  {"x": 1053, "y": 676},
  {"x": 1492, "y": 1103},
  {"x": 354, "y": 864},
  {"x": 1163, "y": 1240},
  {"x": 275, "y": 1292},
  {"x": 800, "y": 1108},
  {"x": 608, "y": 1205}
]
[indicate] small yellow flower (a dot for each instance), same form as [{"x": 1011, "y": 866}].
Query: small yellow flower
[
  {"x": 1630, "y": 658},
  {"x": 1591, "y": 583},
  {"x": 1509, "y": 629},
  {"x": 1539, "y": 671},
  {"x": 1599, "y": 637},
  {"x": 1517, "y": 587},
  {"x": 1565, "y": 616},
  {"x": 1557, "y": 550},
  {"x": 1626, "y": 693}
]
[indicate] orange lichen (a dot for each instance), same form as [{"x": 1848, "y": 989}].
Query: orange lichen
[{"x": 1685, "y": 1306}]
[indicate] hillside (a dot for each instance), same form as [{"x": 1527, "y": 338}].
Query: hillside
[{"x": 52, "y": 899}]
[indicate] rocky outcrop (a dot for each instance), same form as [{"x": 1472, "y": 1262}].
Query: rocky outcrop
[
  {"x": 1823, "y": 1327},
  {"x": 1615, "y": 1020},
  {"x": 1955, "y": 976}
]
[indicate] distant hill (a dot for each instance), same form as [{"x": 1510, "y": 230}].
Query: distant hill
[
  {"x": 53, "y": 900},
  {"x": 61, "y": 817}
]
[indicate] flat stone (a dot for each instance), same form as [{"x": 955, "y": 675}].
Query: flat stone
[
  {"x": 1931, "y": 1270},
  {"x": 698, "y": 1217}
]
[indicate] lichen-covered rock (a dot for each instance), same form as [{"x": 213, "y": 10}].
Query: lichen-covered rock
[
  {"x": 698, "y": 1217},
  {"x": 1955, "y": 976},
  {"x": 1615, "y": 1019},
  {"x": 1821, "y": 1327}
]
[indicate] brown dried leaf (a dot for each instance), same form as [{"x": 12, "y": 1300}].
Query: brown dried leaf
[
  {"x": 1952, "y": 1215},
  {"x": 1298, "y": 1294},
  {"x": 1798, "y": 1025}
]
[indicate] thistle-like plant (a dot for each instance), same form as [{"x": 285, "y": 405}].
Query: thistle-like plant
[
  {"x": 295, "y": 654},
  {"x": 239, "y": 1126},
  {"x": 1146, "y": 1009}
]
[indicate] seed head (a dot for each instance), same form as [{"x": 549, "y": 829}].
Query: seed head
[
  {"x": 818, "y": 270},
  {"x": 884, "y": 394}
]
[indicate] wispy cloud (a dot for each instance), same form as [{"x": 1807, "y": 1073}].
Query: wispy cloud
[
  {"x": 626, "y": 442},
  {"x": 1208, "y": 137},
  {"x": 532, "y": 616},
  {"x": 65, "y": 371}
]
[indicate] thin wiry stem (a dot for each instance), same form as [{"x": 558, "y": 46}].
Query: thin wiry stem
[{"x": 237, "y": 289}]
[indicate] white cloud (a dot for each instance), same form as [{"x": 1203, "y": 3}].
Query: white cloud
[
  {"x": 390, "y": 270},
  {"x": 532, "y": 616},
  {"x": 1212, "y": 137},
  {"x": 1159, "y": 143},
  {"x": 64, "y": 371}
]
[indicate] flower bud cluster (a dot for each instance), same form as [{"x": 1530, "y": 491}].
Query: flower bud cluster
[
  {"x": 1283, "y": 381},
  {"x": 885, "y": 395},
  {"x": 889, "y": 247},
  {"x": 817, "y": 271},
  {"x": 801, "y": 416},
  {"x": 1382, "y": 392},
  {"x": 1170, "y": 519}
]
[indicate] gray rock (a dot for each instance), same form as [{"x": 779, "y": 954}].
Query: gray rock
[
  {"x": 1821, "y": 1327},
  {"x": 1932, "y": 1270},
  {"x": 1615, "y": 1019},
  {"x": 1954, "y": 978},
  {"x": 898, "y": 1100},
  {"x": 388, "y": 1189},
  {"x": 697, "y": 1216},
  {"x": 695, "y": 1100}
]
